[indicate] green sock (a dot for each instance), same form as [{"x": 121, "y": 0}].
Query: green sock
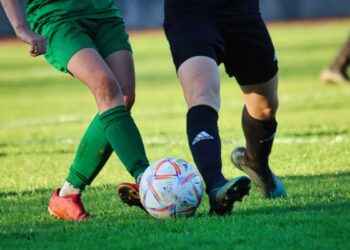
[
  {"x": 92, "y": 154},
  {"x": 124, "y": 137}
]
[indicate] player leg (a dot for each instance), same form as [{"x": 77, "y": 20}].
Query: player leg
[
  {"x": 113, "y": 44},
  {"x": 93, "y": 152},
  {"x": 337, "y": 71},
  {"x": 96, "y": 145},
  {"x": 200, "y": 82},
  {"x": 197, "y": 46},
  {"x": 66, "y": 39},
  {"x": 116, "y": 121},
  {"x": 119, "y": 127},
  {"x": 199, "y": 77},
  {"x": 259, "y": 126},
  {"x": 122, "y": 65},
  {"x": 251, "y": 59}
]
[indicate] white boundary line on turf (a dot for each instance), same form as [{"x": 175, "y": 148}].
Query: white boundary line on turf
[
  {"x": 281, "y": 140},
  {"x": 42, "y": 122}
]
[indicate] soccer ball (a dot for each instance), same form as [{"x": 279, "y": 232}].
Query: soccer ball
[{"x": 171, "y": 188}]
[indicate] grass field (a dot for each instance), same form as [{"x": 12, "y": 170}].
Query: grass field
[{"x": 43, "y": 114}]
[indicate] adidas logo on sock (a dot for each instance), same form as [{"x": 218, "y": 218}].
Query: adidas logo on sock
[{"x": 201, "y": 137}]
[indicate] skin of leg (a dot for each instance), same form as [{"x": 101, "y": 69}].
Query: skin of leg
[
  {"x": 342, "y": 60},
  {"x": 119, "y": 127},
  {"x": 90, "y": 68},
  {"x": 200, "y": 81},
  {"x": 122, "y": 65},
  {"x": 261, "y": 100}
]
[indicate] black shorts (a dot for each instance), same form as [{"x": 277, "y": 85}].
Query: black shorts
[{"x": 229, "y": 31}]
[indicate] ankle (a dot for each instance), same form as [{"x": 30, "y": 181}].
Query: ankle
[
  {"x": 68, "y": 189},
  {"x": 214, "y": 188},
  {"x": 138, "y": 178}
]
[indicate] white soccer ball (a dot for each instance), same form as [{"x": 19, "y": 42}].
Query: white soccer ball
[{"x": 171, "y": 188}]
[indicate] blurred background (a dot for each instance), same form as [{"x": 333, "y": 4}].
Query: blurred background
[
  {"x": 43, "y": 114},
  {"x": 141, "y": 14}
]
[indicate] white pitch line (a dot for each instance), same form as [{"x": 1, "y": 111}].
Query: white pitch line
[
  {"x": 37, "y": 122},
  {"x": 280, "y": 140},
  {"x": 162, "y": 140},
  {"x": 313, "y": 140}
]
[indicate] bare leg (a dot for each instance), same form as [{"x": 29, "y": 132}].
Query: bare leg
[
  {"x": 89, "y": 67},
  {"x": 122, "y": 65},
  {"x": 342, "y": 60},
  {"x": 94, "y": 149},
  {"x": 200, "y": 82},
  {"x": 337, "y": 71},
  {"x": 199, "y": 77},
  {"x": 118, "y": 125},
  {"x": 259, "y": 126},
  {"x": 261, "y": 100}
]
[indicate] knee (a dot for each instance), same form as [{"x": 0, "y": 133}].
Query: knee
[
  {"x": 269, "y": 112},
  {"x": 265, "y": 110},
  {"x": 200, "y": 81},
  {"x": 206, "y": 93},
  {"x": 262, "y": 100},
  {"x": 107, "y": 90}
]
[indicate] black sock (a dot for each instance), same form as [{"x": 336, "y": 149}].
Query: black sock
[
  {"x": 259, "y": 137},
  {"x": 204, "y": 141}
]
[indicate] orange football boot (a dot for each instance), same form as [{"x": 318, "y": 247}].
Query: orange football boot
[
  {"x": 68, "y": 208},
  {"x": 129, "y": 194}
]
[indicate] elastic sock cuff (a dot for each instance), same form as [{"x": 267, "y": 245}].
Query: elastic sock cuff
[
  {"x": 110, "y": 115},
  {"x": 202, "y": 113},
  {"x": 119, "y": 110},
  {"x": 77, "y": 180}
]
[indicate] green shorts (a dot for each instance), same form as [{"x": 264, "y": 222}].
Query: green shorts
[{"x": 65, "y": 38}]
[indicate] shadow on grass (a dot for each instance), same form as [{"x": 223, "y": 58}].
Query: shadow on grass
[
  {"x": 318, "y": 177},
  {"x": 315, "y": 207},
  {"x": 340, "y": 176},
  {"x": 24, "y": 214},
  {"x": 318, "y": 133}
]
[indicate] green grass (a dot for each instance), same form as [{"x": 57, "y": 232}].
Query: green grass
[{"x": 43, "y": 114}]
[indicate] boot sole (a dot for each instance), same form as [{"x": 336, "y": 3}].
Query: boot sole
[
  {"x": 238, "y": 190},
  {"x": 234, "y": 193},
  {"x": 248, "y": 171},
  {"x": 129, "y": 196},
  {"x": 54, "y": 215}
]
